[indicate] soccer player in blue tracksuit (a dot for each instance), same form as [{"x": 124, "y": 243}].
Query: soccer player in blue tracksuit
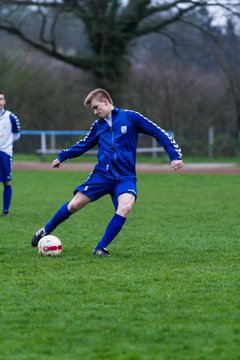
[
  {"x": 9, "y": 132},
  {"x": 115, "y": 132}
]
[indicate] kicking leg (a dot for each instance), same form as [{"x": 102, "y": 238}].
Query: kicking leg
[{"x": 65, "y": 211}]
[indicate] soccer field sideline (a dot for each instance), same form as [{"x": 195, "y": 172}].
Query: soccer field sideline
[{"x": 189, "y": 168}]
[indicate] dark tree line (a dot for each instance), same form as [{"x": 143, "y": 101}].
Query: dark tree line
[
  {"x": 110, "y": 28},
  {"x": 183, "y": 76}
]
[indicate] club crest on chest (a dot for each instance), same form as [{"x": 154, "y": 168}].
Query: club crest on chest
[{"x": 123, "y": 129}]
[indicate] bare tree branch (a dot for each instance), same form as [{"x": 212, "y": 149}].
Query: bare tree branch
[
  {"x": 110, "y": 27},
  {"x": 155, "y": 26},
  {"x": 85, "y": 63}
]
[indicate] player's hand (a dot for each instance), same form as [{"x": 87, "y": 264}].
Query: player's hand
[
  {"x": 56, "y": 163},
  {"x": 177, "y": 164}
]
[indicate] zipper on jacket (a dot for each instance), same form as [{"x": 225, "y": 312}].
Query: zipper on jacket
[{"x": 115, "y": 153}]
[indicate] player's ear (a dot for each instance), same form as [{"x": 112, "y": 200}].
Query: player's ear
[{"x": 105, "y": 100}]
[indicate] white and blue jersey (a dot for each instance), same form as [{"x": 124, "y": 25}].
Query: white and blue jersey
[
  {"x": 117, "y": 144},
  {"x": 9, "y": 131}
]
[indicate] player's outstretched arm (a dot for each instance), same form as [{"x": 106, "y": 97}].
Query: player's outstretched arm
[
  {"x": 56, "y": 163},
  {"x": 177, "y": 164}
]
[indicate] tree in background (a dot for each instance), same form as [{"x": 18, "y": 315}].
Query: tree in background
[
  {"x": 189, "y": 92},
  {"x": 99, "y": 33},
  {"x": 46, "y": 96},
  {"x": 225, "y": 51},
  {"x": 173, "y": 77}
]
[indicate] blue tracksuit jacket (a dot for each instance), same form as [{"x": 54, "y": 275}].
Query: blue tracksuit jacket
[{"x": 117, "y": 145}]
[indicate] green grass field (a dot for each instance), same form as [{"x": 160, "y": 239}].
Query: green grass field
[
  {"x": 161, "y": 158},
  {"x": 170, "y": 289}
]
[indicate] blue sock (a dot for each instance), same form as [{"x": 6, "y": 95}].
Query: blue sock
[
  {"x": 7, "y": 196},
  {"x": 58, "y": 218},
  {"x": 112, "y": 230}
]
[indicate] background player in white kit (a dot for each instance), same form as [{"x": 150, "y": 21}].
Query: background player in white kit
[{"x": 9, "y": 132}]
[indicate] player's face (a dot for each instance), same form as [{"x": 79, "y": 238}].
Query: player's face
[
  {"x": 2, "y": 101},
  {"x": 101, "y": 108}
]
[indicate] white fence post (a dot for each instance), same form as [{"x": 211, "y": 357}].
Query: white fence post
[
  {"x": 154, "y": 145},
  {"x": 43, "y": 143},
  {"x": 210, "y": 141},
  {"x": 53, "y": 141}
]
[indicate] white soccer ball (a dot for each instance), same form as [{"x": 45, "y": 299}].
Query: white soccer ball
[{"x": 49, "y": 245}]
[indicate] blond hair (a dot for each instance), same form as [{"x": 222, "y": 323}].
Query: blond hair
[{"x": 100, "y": 94}]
